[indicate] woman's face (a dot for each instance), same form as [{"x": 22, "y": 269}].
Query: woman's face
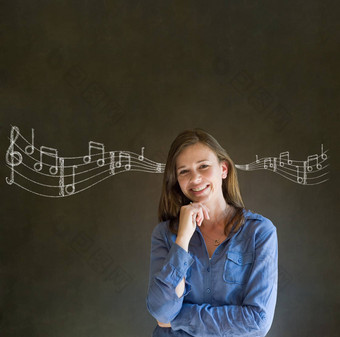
[{"x": 199, "y": 173}]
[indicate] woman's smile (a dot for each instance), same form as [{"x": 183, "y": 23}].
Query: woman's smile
[{"x": 201, "y": 189}]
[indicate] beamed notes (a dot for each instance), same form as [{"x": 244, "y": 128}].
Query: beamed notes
[
  {"x": 305, "y": 172},
  {"x": 42, "y": 171}
]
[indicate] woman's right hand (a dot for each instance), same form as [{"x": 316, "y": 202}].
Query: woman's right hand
[{"x": 190, "y": 215}]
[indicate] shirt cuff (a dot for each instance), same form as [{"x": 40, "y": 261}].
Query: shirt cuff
[{"x": 175, "y": 266}]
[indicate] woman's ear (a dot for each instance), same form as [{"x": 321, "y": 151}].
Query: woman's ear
[{"x": 224, "y": 168}]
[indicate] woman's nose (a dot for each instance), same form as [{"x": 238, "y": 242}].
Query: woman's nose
[{"x": 196, "y": 177}]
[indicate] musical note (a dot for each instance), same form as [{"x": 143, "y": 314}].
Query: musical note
[
  {"x": 295, "y": 171},
  {"x": 112, "y": 162},
  {"x": 95, "y": 146},
  {"x": 29, "y": 149},
  {"x": 303, "y": 179},
  {"x": 266, "y": 161},
  {"x": 84, "y": 175},
  {"x": 323, "y": 154},
  {"x": 13, "y": 158},
  {"x": 72, "y": 185},
  {"x": 141, "y": 157},
  {"x": 312, "y": 158},
  {"x": 50, "y": 152},
  {"x": 124, "y": 155},
  {"x": 282, "y": 156}
]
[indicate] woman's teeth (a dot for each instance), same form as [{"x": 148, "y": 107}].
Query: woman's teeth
[{"x": 199, "y": 189}]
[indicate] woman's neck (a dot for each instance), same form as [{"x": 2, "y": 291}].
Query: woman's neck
[{"x": 220, "y": 213}]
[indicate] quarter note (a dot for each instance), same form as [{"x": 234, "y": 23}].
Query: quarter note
[
  {"x": 303, "y": 178},
  {"x": 141, "y": 157},
  {"x": 29, "y": 149},
  {"x": 95, "y": 146},
  {"x": 50, "y": 152},
  {"x": 323, "y": 154},
  {"x": 72, "y": 185}
]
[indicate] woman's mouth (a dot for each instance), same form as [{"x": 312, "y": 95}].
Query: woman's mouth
[{"x": 200, "y": 189}]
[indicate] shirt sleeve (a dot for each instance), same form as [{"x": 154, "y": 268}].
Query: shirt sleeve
[
  {"x": 254, "y": 317},
  {"x": 168, "y": 265}
]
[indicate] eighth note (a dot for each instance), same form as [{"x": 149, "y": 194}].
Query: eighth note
[
  {"x": 47, "y": 151},
  {"x": 311, "y": 158},
  {"x": 96, "y": 146},
  {"x": 284, "y": 155},
  {"x": 125, "y": 155},
  {"x": 265, "y": 163}
]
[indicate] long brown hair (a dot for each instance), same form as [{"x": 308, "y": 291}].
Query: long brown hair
[{"x": 172, "y": 197}]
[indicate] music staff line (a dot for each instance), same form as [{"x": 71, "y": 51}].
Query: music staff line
[
  {"x": 110, "y": 163},
  {"x": 149, "y": 168},
  {"x": 300, "y": 168},
  {"x": 114, "y": 162},
  {"x": 297, "y": 163},
  {"x": 57, "y": 187}
]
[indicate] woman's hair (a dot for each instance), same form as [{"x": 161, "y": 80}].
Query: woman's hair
[{"x": 172, "y": 197}]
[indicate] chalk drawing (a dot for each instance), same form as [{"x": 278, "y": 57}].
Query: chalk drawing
[
  {"x": 305, "y": 172},
  {"x": 43, "y": 172},
  {"x": 40, "y": 170}
]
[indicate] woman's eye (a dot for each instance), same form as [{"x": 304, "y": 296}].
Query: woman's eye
[
  {"x": 204, "y": 166},
  {"x": 183, "y": 172}
]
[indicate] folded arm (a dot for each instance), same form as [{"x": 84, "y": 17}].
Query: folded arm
[{"x": 167, "y": 285}]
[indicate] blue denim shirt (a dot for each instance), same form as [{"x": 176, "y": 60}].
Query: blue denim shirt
[{"x": 231, "y": 294}]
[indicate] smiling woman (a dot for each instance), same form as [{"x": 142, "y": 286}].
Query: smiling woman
[{"x": 213, "y": 267}]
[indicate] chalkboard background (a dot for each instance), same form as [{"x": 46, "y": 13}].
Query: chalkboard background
[{"x": 260, "y": 76}]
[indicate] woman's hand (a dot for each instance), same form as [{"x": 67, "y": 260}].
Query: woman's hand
[
  {"x": 190, "y": 215},
  {"x": 164, "y": 325}
]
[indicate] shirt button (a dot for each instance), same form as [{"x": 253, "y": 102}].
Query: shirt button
[
  {"x": 208, "y": 290},
  {"x": 208, "y": 269},
  {"x": 185, "y": 263},
  {"x": 240, "y": 260}
]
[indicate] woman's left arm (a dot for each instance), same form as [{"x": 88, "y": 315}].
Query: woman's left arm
[{"x": 254, "y": 317}]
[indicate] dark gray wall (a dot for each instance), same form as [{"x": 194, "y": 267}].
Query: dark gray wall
[{"x": 261, "y": 76}]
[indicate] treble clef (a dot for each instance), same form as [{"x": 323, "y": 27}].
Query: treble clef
[{"x": 13, "y": 158}]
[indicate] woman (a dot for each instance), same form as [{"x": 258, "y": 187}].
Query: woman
[{"x": 213, "y": 268}]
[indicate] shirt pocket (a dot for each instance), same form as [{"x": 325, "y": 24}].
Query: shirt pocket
[{"x": 237, "y": 267}]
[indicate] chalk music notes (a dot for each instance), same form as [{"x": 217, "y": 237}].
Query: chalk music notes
[
  {"x": 42, "y": 171},
  {"x": 95, "y": 146},
  {"x": 305, "y": 172}
]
